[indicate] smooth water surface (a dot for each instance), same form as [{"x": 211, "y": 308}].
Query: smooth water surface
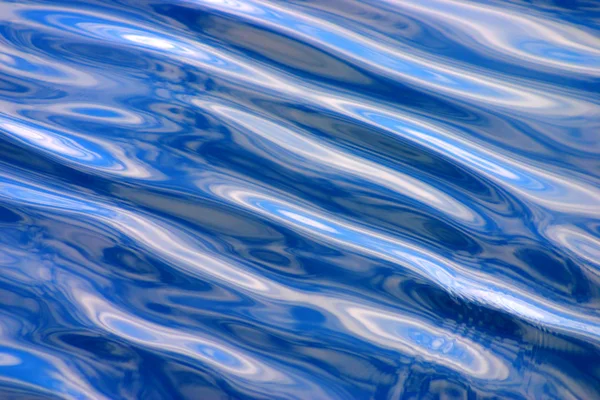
[{"x": 299, "y": 199}]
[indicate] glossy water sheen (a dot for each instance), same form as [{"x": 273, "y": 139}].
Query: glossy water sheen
[{"x": 318, "y": 199}]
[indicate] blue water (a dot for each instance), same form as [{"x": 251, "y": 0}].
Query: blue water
[{"x": 318, "y": 199}]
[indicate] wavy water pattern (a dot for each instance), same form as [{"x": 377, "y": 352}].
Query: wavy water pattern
[{"x": 299, "y": 199}]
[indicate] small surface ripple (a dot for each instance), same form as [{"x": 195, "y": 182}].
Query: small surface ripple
[{"x": 299, "y": 199}]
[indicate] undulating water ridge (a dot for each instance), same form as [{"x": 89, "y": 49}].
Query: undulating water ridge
[{"x": 299, "y": 199}]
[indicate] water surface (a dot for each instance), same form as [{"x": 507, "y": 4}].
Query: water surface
[{"x": 299, "y": 199}]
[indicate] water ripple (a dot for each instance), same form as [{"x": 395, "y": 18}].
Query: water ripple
[{"x": 294, "y": 199}]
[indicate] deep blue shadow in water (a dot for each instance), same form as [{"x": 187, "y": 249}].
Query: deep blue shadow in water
[{"x": 340, "y": 199}]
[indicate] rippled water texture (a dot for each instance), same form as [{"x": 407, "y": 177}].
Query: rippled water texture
[{"x": 299, "y": 199}]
